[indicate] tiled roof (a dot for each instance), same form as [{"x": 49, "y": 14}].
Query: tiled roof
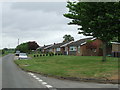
[
  {"x": 48, "y": 46},
  {"x": 80, "y": 42},
  {"x": 57, "y": 45},
  {"x": 115, "y": 42},
  {"x": 43, "y": 47},
  {"x": 70, "y": 43},
  {"x": 64, "y": 45}
]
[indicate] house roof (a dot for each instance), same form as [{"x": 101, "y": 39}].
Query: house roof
[
  {"x": 64, "y": 45},
  {"x": 58, "y": 45},
  {"x": 80, "y": 42},
  {"x": 45, "y": 46},
  {"x": 48, "y": 46},
  {"x": 115, "y": 42}
]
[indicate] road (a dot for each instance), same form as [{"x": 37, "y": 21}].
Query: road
[{"x": 14, "y": 77}]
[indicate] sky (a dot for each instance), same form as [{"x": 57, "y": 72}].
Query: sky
[{"x": 42, "y": 22}]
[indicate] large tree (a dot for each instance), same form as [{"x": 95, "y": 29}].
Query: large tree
[
  {"x": 68, "y": 38},
  {"x": 27, "y": 47},
  {"x": 23, "y": 47},
  {"x": 97, "y": 19}
]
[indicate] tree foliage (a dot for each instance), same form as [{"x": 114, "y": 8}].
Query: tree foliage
[
  {"x": 33, "y": 45},
  {"x": 91, "y": 45},
  {"x": 23, "y": 47},
  {"x": 27, "y": 47},
  {"x": 97, "y": 19},
  {"x": 68, "y": 38}
]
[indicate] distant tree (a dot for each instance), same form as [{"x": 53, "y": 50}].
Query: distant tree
[
  {"x": 33, "y": 45},
  {"x": 27, "y": 47},
  {"x": 5, "y": 49},
  {"x": 98, "y": 19},
  {"x": 23, "y": 47},
  {"x": 68, "y": 38}
]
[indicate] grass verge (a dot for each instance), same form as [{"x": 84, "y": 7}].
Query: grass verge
[{"x": 87, "y": 67}]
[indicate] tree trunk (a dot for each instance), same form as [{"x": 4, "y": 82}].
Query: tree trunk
[{"x": 104, "y": 52}]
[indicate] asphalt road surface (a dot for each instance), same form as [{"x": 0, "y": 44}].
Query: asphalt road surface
[{"x": 14, "y": 77}]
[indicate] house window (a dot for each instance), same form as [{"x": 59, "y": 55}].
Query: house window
[
  {"x": 58, "y": 49},
  {"x": 94, "y": 50},
  {"x": 78, "y": 49},
  {"x": 50, "y": 50},
  {"x": 73, "y": 48},
  {"x": 66, "y": 49}
]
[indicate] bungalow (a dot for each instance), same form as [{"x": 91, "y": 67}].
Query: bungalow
[
  {"x": 45, "y": 48},
  {"x": 83, "y": 47},
  {"x": 56, "y": 47},
  {"x": 116, "y": 49}
]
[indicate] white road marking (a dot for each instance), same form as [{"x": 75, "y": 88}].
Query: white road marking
[
  {"x": 34, "y": 76},
  {"x": 40, "y": 80},
  {"x": 48, "y": 86},
  {"x": 31, "y": 73},
  {"x": 37, "y": 78},
  {"x": 44, "y": 83}
]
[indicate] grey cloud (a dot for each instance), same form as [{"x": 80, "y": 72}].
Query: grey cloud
[
  {"x": 59, "y": 7},
  {"x": 41, "y": 22},
  {"x": 25, "y": 20}
]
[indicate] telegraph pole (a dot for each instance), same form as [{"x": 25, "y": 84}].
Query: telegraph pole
[{"x": 18, "y": 41}]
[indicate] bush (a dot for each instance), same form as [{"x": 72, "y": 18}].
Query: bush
[
  {"x": 47, "y": 54},
  {"x": 34, "y": 55},
  {"x": 51, "y": 53},
  {"x": 3, "y": 52}
]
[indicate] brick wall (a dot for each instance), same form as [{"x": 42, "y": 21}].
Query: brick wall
[
  {"x": 115, "y": 47},
  {"x": 90, "y": 52}
]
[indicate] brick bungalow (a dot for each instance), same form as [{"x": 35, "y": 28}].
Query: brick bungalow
[
  {"x": 116, "y": 49},
  {"x": 45, "y": 48},
  {"x": 56, "y": 48},
  {"x": 84, "y": 47}
]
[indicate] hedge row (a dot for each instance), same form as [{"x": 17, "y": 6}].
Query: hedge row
[{"x": 40, "y": 55}]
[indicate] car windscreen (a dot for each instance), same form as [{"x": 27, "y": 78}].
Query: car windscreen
[{"x": 23, "y": 54}]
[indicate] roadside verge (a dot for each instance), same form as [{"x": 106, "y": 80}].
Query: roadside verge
[{"x": 25, "y": 65}]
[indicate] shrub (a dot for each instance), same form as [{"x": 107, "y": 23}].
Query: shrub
[
  {"x": 51, "y": 53},
  {"x": 47, "y": 54},
  {"x": 34, "y": 55}
]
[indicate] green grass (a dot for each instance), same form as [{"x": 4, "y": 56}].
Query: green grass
[
  {"x": 72, "y": 66},
  {"x": 6, "y": 53}
]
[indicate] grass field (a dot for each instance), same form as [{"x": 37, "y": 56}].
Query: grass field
[{"x": 73, "y": 66}]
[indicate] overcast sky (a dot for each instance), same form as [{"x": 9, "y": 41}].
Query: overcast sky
[{"x": 42, "y": 22}]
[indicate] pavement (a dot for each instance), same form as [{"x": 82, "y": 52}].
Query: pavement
[{"x": 14, "y": 77}]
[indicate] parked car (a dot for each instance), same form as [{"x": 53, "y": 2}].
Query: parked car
[
  {"x": 17, "y": 53},
  {"x": 22, "y": 56}
]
